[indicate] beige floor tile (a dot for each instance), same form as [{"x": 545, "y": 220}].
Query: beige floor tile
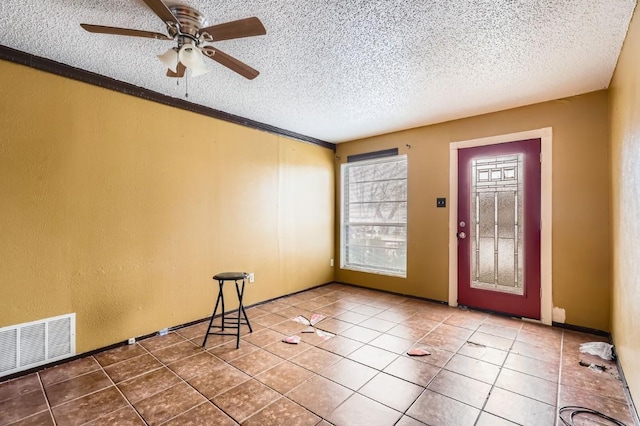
[
  {"x": 373, "y": 357},
  {"x": 283, "y": 412},
  {"x": 349, "y": 373},
  {"x": 148, "y": 384},
  {"x": 204, "y": 414},
  {"x": 284, "y": 377},
  {"x": 169, "y": 403},
  {"x": 315, "y": 359},
  {"x": 20, "y": 386},
  {"x": 71, "y": 369},
  {"x": 89, "y": 407},
  {"x": 461, "y": 388},
  {"x": 391, "y": 391},
  {"x": 245, "y": 399},
  {"x": 519, "y": 409},
  {"x": 219, "y": 381},
  {"x": 359, "y": 410},
  {"x": 25, "y": 405},
  {"x": 77, "y": 387},
  {"x": 320, "y": 395},
  {"x": 433, "y": 408}
]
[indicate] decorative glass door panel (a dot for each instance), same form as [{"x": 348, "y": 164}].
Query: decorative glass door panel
[
  {"x": 496, "y": 215},
  {"x": 499, "y": 228}
]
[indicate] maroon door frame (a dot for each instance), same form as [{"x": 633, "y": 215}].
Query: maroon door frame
[{"x": 527, "y": 305}]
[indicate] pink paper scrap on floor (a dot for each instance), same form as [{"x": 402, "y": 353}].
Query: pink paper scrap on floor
[
  {"x": 293, "y": 340},
  {"x": 315, "y": 318},
  {"x": 324, "y": 334}
]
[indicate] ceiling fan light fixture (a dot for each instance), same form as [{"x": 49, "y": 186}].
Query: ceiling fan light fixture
[
  {"x": 197, "y": 71},
  {"x": 192, "y": 58},
  {"x": 170, "y": 59}
]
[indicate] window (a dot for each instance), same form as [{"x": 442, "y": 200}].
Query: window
[{"x": 374, "y": 216}]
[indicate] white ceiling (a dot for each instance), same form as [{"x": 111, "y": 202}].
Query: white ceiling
[{"x": 342, "y": 70}]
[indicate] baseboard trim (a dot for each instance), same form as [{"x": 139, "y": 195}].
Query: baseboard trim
[
  {"x": 581, "y": 329},
  {"x": 627, "y": 392},
  {"x": 59, "y": 362},
  {"x": 395, "y": 293}
]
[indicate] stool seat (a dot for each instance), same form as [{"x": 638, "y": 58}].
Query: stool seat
[
  {"x": 229, "y": 322},
  {"x": 231, "y": 276}
]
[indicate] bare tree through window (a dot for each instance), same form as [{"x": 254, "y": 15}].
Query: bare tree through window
[{"x": 374, "y": 231}]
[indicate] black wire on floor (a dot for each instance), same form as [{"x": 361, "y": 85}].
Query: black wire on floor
[{"x": 575, "y": 410}]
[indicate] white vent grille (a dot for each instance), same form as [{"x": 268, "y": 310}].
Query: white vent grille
[{"x": 31, "y": 344}]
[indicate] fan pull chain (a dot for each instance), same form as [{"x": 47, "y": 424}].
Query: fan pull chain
[{"x": 186, "y": 84}]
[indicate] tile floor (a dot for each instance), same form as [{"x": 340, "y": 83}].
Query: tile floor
[{"x": 483, "y": 370}]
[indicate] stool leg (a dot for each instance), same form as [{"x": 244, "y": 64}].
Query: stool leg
[
  {"x": 213, "y": 315},
  {"x": 241, "y": 311},
  {"x": 222, "y": 298},
  {"x": 241, "y": 308}
]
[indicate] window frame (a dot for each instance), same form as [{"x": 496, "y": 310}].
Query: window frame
[{"x": 344, "y": 264}]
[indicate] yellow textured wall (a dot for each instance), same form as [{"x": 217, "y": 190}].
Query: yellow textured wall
[
  {"x": 624, "y": 108},
  {"x": 121, "y": 210},
  {"x": 581, "y": 261}
]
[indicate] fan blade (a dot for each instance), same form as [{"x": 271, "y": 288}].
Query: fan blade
[
  {"x": 247, "y": 27},
  {"x": 161, "y": 9},
  {"x": 124, "y": 31},
  {"x": 230, "y": 62},
  {"x": 180, "y": 71}
]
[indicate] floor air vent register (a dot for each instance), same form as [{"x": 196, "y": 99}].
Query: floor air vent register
[{"x": 35, "y": 343}]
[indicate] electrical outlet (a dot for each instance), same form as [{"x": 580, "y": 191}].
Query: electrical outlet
[
  {"x": 252, "y": 277},
  {"x": 131, "y": 340},
  {"x": 331, "y": 262}
]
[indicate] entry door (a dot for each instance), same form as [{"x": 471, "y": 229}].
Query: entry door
[{"x": 499, "y": 228}]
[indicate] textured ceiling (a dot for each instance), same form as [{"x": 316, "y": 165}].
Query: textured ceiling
[{"x": 343, "y": 70}]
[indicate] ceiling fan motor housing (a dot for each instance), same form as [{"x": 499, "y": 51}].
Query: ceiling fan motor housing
[{"x": 190, "y": 23}]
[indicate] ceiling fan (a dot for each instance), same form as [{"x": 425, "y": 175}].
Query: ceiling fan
[{"x": 187, "y": 27}]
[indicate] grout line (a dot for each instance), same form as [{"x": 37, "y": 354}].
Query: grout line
[
  {"x": 282, "y": 395},
  {"x": 121, "y": 394},
  {"x": 185, "y": 382},
  {"x": 136, "y": 375},
  {"x": 46, "y": 398},
  {"x": 513, "y": 342},
  {"x": 440, "y": 369},
  {"x": 443, "y": 369},
  {"x": 184, "y": 412},
  {"x": 81, "y": 396},
  {"x": 211, "y": 400},
  {"x": 555, "y": 422},
  {"x": 71, "y": 378},
  {"x": 228, "y": 362}
]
